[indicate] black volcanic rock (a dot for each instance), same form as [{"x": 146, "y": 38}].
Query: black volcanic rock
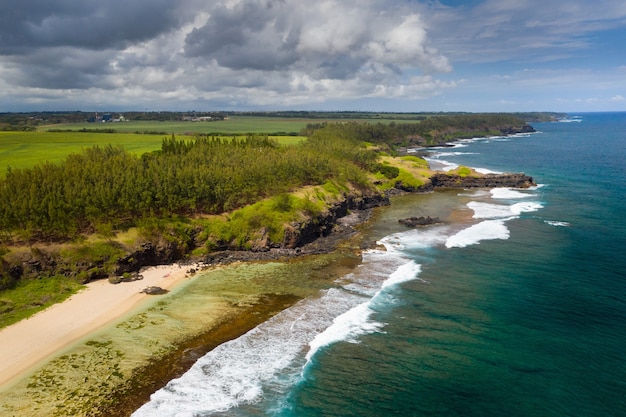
[
  {"x": 419, "y": 221},
  {"x": 154, "y": 291},
  {"x": 446, "y": 180}
]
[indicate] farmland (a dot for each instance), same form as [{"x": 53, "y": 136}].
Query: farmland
[
  {"x": 233, "y": 124},
  {"x": 26, "y": 149},
  {"x": 52, "y": 143}
]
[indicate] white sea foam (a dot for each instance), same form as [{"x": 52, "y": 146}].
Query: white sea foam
[
  {"x": 508, "y": 194},
  {"x": 485, "y": 230},
  {"x": 475, "y": 193},
  {"x": 415, "y": 239},
  {"x": 525, "y": 207},
  {"x": 495, "y": 217},
  {"x": 486, "y": 171},
  {"x": 404, "y": 273},
  {"x": 440, "y": 164},
  {"x": 484, "y": 210},
  {"x": 557, "y": 223},
  {"x": 356, "y": 322},
  {"x": 237, "y": 372},
  {"x": 347, "y": 327},
  {"x": 269, "y": 359},
  {"x": 446, "y": 154}
]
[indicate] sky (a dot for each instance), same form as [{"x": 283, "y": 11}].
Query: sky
[{"x": 358, "y": 55}]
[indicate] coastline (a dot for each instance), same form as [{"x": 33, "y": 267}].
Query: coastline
[
  {"x": 230, "y": 310},
  {"x": 29, "y": 343},
  {"x": 114, "y": 361}
]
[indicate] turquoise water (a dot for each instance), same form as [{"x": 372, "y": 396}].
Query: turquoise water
[{"x": 515, "y": 306}]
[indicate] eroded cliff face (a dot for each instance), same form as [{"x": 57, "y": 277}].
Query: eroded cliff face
[{"x": 299, "y": 234}]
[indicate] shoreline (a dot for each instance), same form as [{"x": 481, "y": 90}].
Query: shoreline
[
  {"x": 47, "y": 378},
  {"x": 28, "y": 344},
  {"x": 102, "y": 303}
]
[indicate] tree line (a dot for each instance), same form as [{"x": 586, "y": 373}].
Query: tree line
[
  {"x": 106, "y": 187},
  {"x": 434, "y": 130}
]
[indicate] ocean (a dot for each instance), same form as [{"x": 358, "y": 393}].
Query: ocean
[{"x": 513, "y": 305}]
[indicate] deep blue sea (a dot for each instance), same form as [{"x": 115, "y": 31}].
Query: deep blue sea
[{"x": 515, "y": 305}]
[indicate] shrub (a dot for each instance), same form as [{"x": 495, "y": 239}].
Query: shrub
[
  {"x": 390, "y": 172},
  {"x": 417, "y": 161},
  {"x": 409, "y": 180},
  {"x": 463, "y": 171}
]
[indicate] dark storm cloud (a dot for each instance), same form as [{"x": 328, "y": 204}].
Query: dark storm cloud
[
  {"x": 62, "y": 68},
  {"x": 331, "y": 39},
  {"x": 254, "y": 35},
  {"x": 237, "y": 51},
  {"x": 92, "y": 24}
]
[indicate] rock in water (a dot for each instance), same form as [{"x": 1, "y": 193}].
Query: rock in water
[{"x": 419, "y": 221}]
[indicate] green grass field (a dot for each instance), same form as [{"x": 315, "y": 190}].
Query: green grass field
[
  {"x": 26, "y": 149},
  {"x": 234, "y": 125},
  {"x": 53, "y": 143}
]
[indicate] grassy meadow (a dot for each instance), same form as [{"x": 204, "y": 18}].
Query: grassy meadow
[
  {"x": 53, "y": 143},
  {"x": 233, "y": 125},
  {"x": 26, "y": 149}
]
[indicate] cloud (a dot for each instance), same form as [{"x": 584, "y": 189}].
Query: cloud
[
  {"x": 336, "y": 40},
  {"x": 244, "y": 51},
  {"x": 90, "y": 24},
  {"x": 181, "y": 54},
  {"x": 523, "y": 30}
]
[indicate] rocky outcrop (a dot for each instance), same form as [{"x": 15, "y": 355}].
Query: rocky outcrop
[
  {"x": 149, "y": 254},
  {"x": 300, "y": 233},
  {"x": 419, "y": 221},
  {"x": 317, "y": 234},
  {"x": 514, "y": 130},
  {"x": 154, "y": 291},
  {"x": 446, "y": 180}
]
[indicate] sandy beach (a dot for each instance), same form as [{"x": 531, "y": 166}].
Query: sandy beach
[{"x": 28, "y": 343}]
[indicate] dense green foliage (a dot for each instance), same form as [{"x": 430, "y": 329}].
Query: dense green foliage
[
  {"x": 264, "y": 219},
  {"x": 106, "y": 187},
  {"x": 430, "y": 131},
  {"x": 27, "y": 149},
  {"x": 193, "y": 196}
]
